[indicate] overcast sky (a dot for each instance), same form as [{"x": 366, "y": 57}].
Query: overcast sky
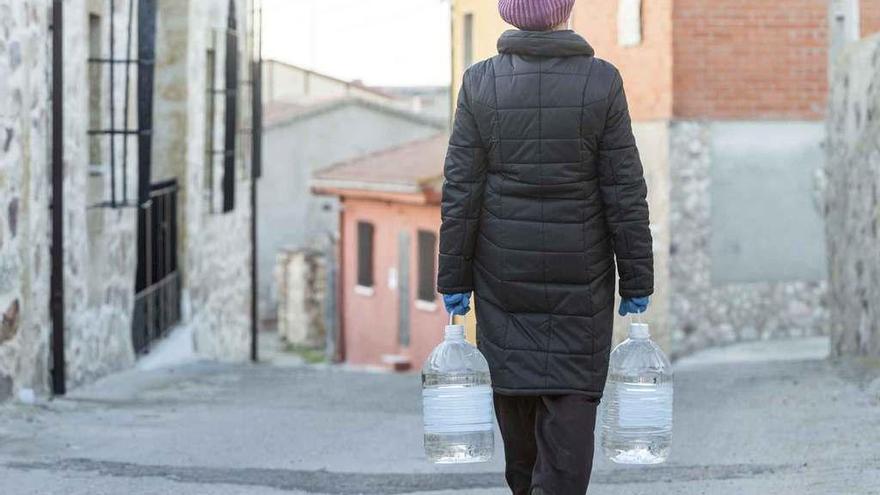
[{"x": 382, "y": 42}]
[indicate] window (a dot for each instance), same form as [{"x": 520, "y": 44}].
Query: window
[
  {"x": 629, "y": 22},
  {"x": 210, "y": 127},
  {"x": 231, "y": 111},
  {"x": 468, "y": 41},
  {"x": 95, "y": 73},
  {"x": 365, "y": 231},
  {"x": 427, "y": 259},
  {"x": 97, "y": 180},
  {"x": 109, "y": 77}
]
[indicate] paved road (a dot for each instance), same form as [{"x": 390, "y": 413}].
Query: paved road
[{"x": 746, "y": 423}]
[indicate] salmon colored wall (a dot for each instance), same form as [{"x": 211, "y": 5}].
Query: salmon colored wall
[
  {"x": 647, "y": 67},
  {"x": 370, "y": 322}
]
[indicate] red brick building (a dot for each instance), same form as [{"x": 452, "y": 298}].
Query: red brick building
[{"x": 391, "y": 314}]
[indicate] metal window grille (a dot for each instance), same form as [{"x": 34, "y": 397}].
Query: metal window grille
[
  {"x": 427, "y": 256},
  {"x": 231, "y": 111},
  {"x": 365, "y": 231},
  {"x": 118, "y": 129},
  {"x": 210, "y": 125},
  {"x": 238, "y": 139}
]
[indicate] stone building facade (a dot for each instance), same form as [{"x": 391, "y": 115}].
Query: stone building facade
[
  {"x": 728, "y": 102},
  {"x": 853, "y": 201},
  {"x": 102, "y": 157},
  {"x": 24, "y": 196}
]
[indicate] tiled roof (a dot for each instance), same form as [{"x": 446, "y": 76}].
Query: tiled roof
[{"x": 407, "y": 168}]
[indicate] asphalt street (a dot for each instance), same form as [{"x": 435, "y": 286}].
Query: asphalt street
[{"x": 762, "y": 418}]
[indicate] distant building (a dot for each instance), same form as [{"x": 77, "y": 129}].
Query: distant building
[
  {"x": 288, "y": 83},
  {"x": 728, "y": 102},
  {"x": 390, "y": 218},
  {"x": 154, "y": 167},
  {"x": 301, "y": 139},
  {"x": 430, "y": 101}
]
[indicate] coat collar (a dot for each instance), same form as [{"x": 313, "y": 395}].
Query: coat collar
[{"x": 544, "y": 43}]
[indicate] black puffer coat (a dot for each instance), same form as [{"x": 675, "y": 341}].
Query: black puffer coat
[{"x": 543, "y": 188}]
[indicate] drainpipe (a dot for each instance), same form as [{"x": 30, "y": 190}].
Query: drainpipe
[
  {"x": 339, "y": 350},
  {"x": 56, "y": 297},
  {"x": 256, "y": 172}
]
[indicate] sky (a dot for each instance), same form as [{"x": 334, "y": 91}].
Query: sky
[{"x": 381, "y": 42}]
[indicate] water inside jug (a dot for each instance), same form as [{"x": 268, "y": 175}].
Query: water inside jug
[{"x": 637, "y": 404}]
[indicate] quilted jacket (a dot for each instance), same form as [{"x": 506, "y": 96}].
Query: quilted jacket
[{"x": 543, "y": 189}]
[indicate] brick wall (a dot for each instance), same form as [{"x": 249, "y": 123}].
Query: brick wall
[
  {"x": 739, "y": 59},
  {"x": 647, "y": 67},
  {"x": 870, "y": 17}
]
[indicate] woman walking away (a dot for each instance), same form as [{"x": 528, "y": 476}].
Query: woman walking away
[{"x": 544, "y": 189}]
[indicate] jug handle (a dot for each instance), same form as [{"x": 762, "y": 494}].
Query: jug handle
[{"x": 452, "y": 317}]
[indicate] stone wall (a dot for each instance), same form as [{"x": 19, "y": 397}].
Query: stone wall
[
  {"x": 24, "y": 196},
  {"x": 99, "y": 242},
  {"x": 301, "y": 277},
  {"x": 217, "y": 249},
  {"x": 704, "y": 311},
  {"x": 853, "y": 201}
]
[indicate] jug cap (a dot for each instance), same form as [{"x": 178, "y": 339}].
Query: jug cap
[
  {"x": 454, "y": 332},
  {"x": 639, "y": 331}
]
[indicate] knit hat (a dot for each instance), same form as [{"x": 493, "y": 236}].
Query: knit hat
[{"x": 535, "y": 15}]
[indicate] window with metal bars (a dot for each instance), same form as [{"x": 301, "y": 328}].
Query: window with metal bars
[
  {"x": 109, "y": 126},
  {"x": 231, "y": 111},
  {"x": 231, "y": 100},
  {"x": 210, "y": 174}
]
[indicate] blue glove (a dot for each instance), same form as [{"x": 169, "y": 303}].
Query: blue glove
[
  {"x": 458, "y": 304},
  {"x": 633, "y": 305}
]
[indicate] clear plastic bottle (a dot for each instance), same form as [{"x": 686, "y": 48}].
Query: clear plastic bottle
[
  {"x": 457, "y": 402},
  {"x": 637, "y": 415}
]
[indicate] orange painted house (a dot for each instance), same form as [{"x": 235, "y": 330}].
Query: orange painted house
[{"x": 390, "y": 312}]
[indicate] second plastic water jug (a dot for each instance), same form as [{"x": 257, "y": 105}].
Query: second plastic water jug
[
  {"x": 457, "y": 402},
  {"x": 637, "y": 404}
]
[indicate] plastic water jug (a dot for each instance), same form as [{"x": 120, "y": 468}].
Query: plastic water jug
[
  {"x": 637, "y": 415},
  {"x": 457, "y": 402}
]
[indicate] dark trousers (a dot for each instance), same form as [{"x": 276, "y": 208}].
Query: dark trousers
[{"x": 548, "y": 442}]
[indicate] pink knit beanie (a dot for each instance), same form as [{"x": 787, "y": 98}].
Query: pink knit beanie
[{"x": 535, "y": 15}]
